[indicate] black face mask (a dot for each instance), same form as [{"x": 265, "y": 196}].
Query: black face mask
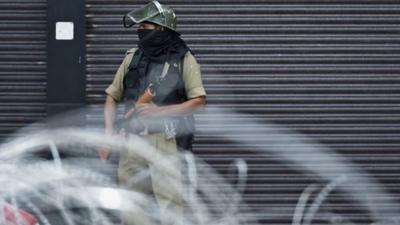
[
  {"x": 154, "y": 38},
  {"x": 142, "y": 33},
  {"x": 160, "y": 45}
]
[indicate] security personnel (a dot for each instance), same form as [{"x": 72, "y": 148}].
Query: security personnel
[{"x": 164, "y": 62}]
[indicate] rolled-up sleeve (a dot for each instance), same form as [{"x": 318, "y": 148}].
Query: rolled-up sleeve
[{"x": 192, "y": 77}]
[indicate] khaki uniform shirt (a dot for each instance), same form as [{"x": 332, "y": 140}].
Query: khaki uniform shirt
[{"x": 191, "y": 77}]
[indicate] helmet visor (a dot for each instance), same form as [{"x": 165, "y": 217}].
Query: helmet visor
[{"x": 139, "y": 15}]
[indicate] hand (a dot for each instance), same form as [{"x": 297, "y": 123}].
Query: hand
[
  {"x": 147, "y": 110},
  {"x": 104, "y": 151},
  {"x": 129, "y": 114}
]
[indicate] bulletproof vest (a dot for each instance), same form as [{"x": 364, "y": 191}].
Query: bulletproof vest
[{"x": 169, "y": 89}]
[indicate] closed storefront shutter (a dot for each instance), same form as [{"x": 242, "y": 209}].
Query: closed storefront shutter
[
  {"x": 326, "y": 70},
  {"x": 22, "y": 64}
]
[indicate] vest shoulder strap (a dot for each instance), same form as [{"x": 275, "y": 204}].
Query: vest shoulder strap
[
  {"x": 137, "y": 56},
  {"x": 130, "y": 77}
]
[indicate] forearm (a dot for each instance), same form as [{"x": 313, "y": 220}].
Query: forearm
[
  {"x": 185, "y": 108},
  {"x": 110, "y": 111}
]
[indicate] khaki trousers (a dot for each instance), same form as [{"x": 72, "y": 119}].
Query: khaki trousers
[{"x": 153, "y": 176}]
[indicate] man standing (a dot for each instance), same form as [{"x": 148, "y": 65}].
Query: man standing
[{"x": 163, "y": 69}]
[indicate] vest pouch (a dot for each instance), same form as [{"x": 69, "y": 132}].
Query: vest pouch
[
  {"x": 185, "y": 132},
  {"x": 185, "y": 142},
  {"x": 168, "y": 92}
]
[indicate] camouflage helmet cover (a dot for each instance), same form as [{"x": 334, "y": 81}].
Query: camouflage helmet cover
[{"x": 153, "y": 12}]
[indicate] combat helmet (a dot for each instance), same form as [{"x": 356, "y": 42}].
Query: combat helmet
[{"x": 153, "y": 12}]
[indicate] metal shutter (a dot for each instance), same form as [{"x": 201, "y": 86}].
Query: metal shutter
[
  {"x": 22, "y": 64},
  {"x": 325, "y": 69}
]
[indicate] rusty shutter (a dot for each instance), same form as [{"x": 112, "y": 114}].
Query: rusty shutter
[
  {"x": 325, "y": 69},
  {"x": 23, "y": 64}
]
